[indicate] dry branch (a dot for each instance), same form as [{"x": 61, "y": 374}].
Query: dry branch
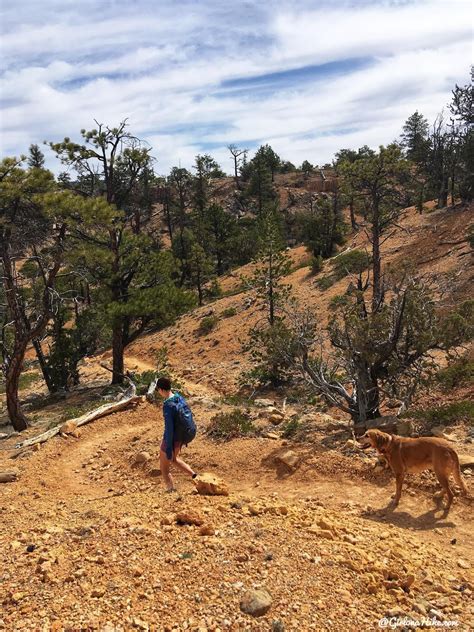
[{"x": 129, "y": 398}]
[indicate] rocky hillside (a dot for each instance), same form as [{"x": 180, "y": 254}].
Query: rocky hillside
[{"x": 302, "y": 541}]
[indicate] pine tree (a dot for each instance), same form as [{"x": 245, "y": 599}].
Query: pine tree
[
  {"x": 415, "y": 138},
  {"x": 272, "y": 265},
  {"x": 260, "y": 182},
  {"x": 35, "y": 223},
  {"x": 115, "y": 249},
  {"x": 201, "y": 269},
  {"x": 462, "y": 132},
  {"x": 36, "y": 157},
  {"x": 220, "y": 228},
  {"x": 377, "y": 179}
]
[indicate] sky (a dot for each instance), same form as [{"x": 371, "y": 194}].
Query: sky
[{"x": 307, "y": 76}]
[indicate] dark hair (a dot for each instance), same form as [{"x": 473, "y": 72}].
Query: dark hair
[{"x": 164, "y": 384}]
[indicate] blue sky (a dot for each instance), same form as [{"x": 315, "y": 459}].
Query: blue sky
[{"x": 306, "y": 76}]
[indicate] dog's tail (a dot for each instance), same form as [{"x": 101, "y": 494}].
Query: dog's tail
[{"x": 457, "y": 473}]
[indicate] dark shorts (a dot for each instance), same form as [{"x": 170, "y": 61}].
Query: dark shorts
[{"x": 177, "y": 445}]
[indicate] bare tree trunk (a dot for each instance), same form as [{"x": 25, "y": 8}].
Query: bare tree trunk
[
  {"x": 236, "y": 173},
  {"x": 117, "y": 352},
  {"x": 13, "y": 372},
  {"x": 367, "y": 395},
  {"x": 43, "y": 365},
  {"x": 199, "y": 288},
  {"x": 376, "y": 259},
  {"x": 443, "y": 193},
  {"x": 352, "y": 212},
  {"x": 420, "y": 199}
]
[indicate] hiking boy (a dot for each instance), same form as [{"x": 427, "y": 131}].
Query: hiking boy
[{"x": 180, "y": 430}]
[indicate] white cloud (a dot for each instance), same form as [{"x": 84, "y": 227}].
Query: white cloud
[{"x": 163, "y": 66}]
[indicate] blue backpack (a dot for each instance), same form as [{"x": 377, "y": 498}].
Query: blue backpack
[{"x": 186, "y": 427}]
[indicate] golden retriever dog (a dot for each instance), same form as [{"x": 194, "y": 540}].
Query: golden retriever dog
[{"x": 415, "y": 455}]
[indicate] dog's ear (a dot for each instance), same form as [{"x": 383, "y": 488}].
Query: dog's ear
[{"x": 382, "y": 439}]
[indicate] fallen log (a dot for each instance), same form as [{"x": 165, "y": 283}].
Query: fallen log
[
  {"x": 8, "y": 477},
  {"x": 129, "y": 398}
]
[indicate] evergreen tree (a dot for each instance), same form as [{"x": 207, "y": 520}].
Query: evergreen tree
[
  {"x": 272, "y": 265},
  {"x": 462, "y": 131},
  {"x": 322, "y": 226},
  {"x": 114, "y": 165},
  {"x": 286, "y": 167},
  {"x": 260, "y": 181},
  {"x": 415, "y": 138},
  {"x": 377, "y": 178},
  {"x": 307, "y": 167},
  {"x": 180, "y": 184},
  {"x": 35, "y": 222},
  {"x": 220, "y": 227},
  {"x": 207, "y": 170},
  {"x": 270, "y": 158},
  {"x": 201, "y": 269},
  {"x": 348, "y": 195},
  {"x": 36, "y": 157},
  {"x": 439, "y": 160}
]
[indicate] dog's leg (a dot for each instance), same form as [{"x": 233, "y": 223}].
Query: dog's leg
[
  {"x": 456, "y": 471},
  {"x": 398, "y": 493},
  {"x": 444, "y": 482}
]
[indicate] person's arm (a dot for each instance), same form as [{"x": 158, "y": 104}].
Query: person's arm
[{"x": 168, "y": 436}]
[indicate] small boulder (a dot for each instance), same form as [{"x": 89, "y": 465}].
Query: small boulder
[
  {"x": 141, "y": 458},
  {"x": 289, "y": 458},
  {"x": 271, "y": 435},
  {"x": 465, "y": 460},
  {"x": 276, "y": 418},
  {"x": 207, "y": 529},
  {"x": 211, "y": 485},
  {"x": 256, "y": 602},
  {"x": 189, "y": 516},
  {"x": 463, "y": 563},
  {"x": 8, "y": 477},
  {"x": 263, "y": 402}
]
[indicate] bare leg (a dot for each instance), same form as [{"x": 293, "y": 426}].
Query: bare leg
[
  {"x": 165, "y": 470},
  {"x": 182, "y": 464}
]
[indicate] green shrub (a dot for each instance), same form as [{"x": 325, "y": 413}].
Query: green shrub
[
  {"x": 325, "y": 282},
  {"x": 72, "y": 412},
  {"x": 27, "y": 379},
  {"x": 213, "y": 290},
  {"x": 316, "y": 264},
  {"x": 226, "y": 426},
  {"x": 271, "y": 349},
  {"x": 207, "y": 324},
  {"x": 459, "y": 372},
  {"x": 447, "y": 414},
  {"x": 229, "y": 312},
  {"x": 352, "y": 262},
  {"x": 235, "y": 399},
  {"x": 290, "y": 428}
]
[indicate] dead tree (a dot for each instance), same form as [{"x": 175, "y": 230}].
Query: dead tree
[{"x": 237, "y": 155}]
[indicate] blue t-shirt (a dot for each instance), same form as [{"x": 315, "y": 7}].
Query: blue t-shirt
[{"x": 174, "y": 429}]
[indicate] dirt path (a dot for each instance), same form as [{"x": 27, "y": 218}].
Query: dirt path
[{"x": 106, "y": 549}]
